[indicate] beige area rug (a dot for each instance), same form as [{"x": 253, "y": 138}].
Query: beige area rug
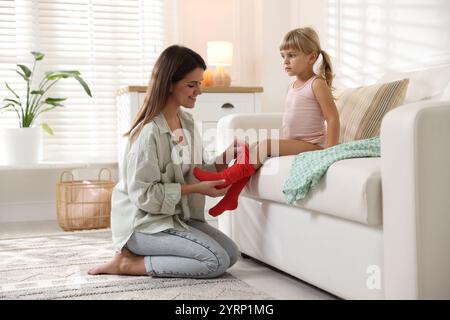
[{"x": 55, "y": 267}]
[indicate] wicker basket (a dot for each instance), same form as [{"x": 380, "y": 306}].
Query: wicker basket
[{"x": 86, "y": 204}]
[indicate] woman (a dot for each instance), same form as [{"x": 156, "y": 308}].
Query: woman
[{"x": 157, "y": 217}]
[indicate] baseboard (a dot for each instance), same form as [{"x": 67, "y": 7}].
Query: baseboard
[
  {"x": 40, "y": 211},
  {"x": 27, "y": 211}
]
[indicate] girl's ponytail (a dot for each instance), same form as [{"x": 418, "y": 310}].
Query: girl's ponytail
[
  {"x": 326, "y": 69},
  {"x": 307, "y": 40}
]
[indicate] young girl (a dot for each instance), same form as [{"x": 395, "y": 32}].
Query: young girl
[
  {"x": 310, "y": 121},
  {"x": 157, "y": 216}
]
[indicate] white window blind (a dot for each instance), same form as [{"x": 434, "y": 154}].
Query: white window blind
[
  {"x": 370, "y": 37},
  {"x": 113, "y": 43}
]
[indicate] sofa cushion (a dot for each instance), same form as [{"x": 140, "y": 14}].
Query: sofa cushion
[
  {"x": 351, "y": 188},
  {"x": 362, "y": 109},
  {"x": 424, "y": 84}
]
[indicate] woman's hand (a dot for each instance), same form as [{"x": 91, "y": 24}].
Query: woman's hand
[{"x": 208, "y": 188}]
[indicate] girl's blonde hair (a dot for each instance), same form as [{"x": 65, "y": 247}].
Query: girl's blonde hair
[{"x": 307, "y": 41}]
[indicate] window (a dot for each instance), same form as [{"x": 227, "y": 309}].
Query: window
[
  {"x": 113, "y": 43},
  {"x": 369, "y": 37}
]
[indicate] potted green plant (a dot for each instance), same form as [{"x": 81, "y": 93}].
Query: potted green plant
[{"x": 22, "y": 144}]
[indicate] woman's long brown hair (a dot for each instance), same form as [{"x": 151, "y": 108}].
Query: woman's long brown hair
[{"x": 174, "y": 63}]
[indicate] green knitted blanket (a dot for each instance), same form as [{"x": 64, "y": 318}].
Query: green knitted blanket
[{"x": 308, "y": 168}]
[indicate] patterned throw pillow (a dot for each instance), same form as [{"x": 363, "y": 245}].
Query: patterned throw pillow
[{"x": 362, "y": 109}]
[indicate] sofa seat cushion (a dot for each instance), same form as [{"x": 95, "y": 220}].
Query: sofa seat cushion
[{"x": 351, "y": 189}]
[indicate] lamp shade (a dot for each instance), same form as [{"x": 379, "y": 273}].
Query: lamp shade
[{"x": 219, "y": 53}]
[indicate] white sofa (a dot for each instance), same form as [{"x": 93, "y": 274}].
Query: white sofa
[{"x": 375, "y": 228}]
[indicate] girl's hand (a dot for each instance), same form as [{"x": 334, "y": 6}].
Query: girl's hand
[{"x": 208, "y": 188}]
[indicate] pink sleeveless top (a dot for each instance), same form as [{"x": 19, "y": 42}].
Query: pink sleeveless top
[{"x": 303, "y": 118}]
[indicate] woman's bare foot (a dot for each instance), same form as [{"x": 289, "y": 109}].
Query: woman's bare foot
[{"x": 123, "y": 263}]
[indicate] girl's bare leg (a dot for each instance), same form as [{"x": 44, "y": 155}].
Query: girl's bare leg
[
  {"x": 123, "y": 263},
  {"x": 261, "y": 150}
]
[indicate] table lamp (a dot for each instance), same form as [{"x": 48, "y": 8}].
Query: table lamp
[{"x": 220, "y": 54}]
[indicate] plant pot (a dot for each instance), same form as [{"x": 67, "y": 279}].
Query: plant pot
[{"x": 21, "y": 146}]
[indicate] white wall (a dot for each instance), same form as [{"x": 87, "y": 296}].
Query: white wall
[
  {"x": 365, "y": 38},
  {"x": 255, "y": 27},
  {"x": 31, "y": 194},
  {"x": 209, "y": 20},
  {"x": 273, "y": 21},
  {"x": 371, "y": 38}
]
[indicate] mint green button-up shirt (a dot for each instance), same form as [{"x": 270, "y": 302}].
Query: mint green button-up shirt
[{"x": 148, "y": 196}]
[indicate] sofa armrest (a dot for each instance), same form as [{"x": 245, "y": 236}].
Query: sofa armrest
[
  {"x": 247, "y": 124},
  {"x": 415, "y": 171},
  {"x": 250, "y": 126}
]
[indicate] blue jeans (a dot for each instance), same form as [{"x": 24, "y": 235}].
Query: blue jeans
[{"x": 200, "y": 252}]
